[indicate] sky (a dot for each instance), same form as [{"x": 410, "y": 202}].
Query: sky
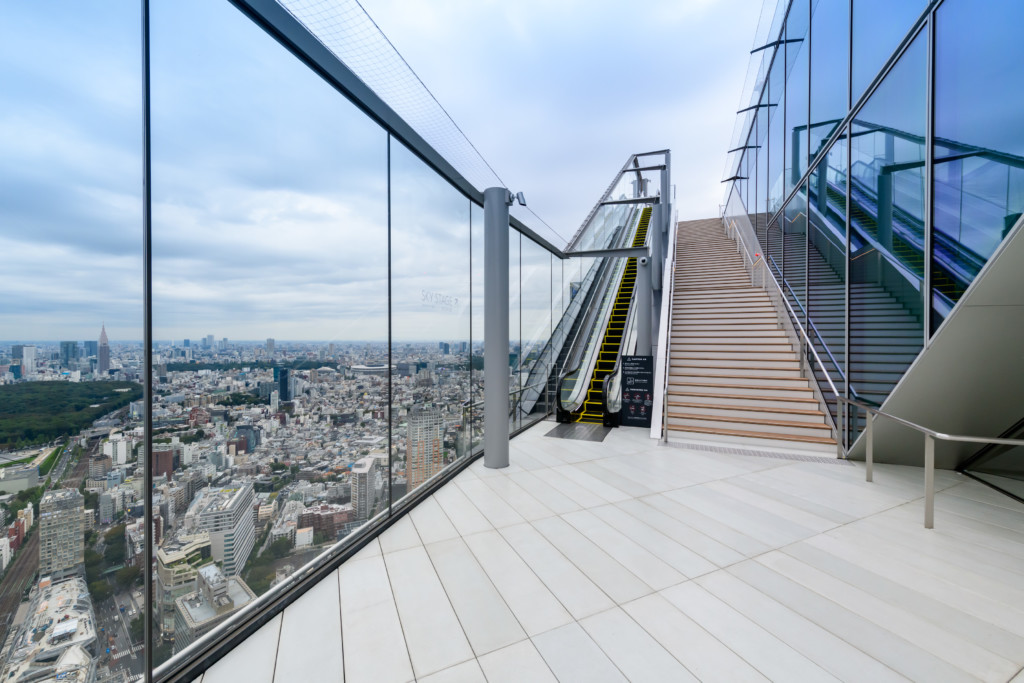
[{"x": 270, "y": 189}]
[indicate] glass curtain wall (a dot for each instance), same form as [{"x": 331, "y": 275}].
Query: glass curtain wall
[
  {"x": 71, "y": 359},
  {"x": 903, "y": 274}
]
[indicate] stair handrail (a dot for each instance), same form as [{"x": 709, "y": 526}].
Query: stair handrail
[
  {"x": 930, "y": 435},
  {"x": 738, "y": 234},
  {"x": 663, "y": 360}
]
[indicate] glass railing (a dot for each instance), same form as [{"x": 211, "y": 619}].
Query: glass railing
[{"x": 313, "y": 307}]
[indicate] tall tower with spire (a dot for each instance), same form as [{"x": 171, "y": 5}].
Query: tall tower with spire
[{"x": 103, "y": 353}]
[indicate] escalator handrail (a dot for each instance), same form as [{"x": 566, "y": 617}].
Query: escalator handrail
[{"x": 613, "y": 277}]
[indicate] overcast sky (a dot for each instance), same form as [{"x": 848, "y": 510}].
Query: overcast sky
[{"x": 269, "y": 189}]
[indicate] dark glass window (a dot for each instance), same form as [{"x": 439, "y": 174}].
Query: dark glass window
[
  {"x": 830, "y": 57},
  {"x": 761, "y": 224},
  {"x": 878, "y": 28},
  {"x": 979, "y": 141},
  {"x": 797, "y": 52},
  {"x": 794, "y": 245},
  {"x": 826, "y": 267},
  {"x": 887, "y": 228}
]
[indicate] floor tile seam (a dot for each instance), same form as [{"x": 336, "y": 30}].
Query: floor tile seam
[
  {"x": 277, "y": 649},
  {"x": 661, "y": 533},
  {"x": 497, "y": 591},
  {"x": 580, "y": 569},
  {"x": 500, "y": 499},
  {"x": 973, "y": 518},
  {"x": 497, "y": 530},
  {"x": 394, "y": 604},
  {"x": 837, "y": 605},
  {"x": 600, "y": 481},
  {"x": 755, "y": 625},
  {"x": 1016, "y": 509},
  {"x": 621, "y": 608},
  {"x": 508, "y": 502},
  {"x": 615, "y": 605}
]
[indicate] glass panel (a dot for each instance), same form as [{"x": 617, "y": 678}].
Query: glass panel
[
  {"x": 795, "y": 257},
  {"x": 826, "y": 267},
  {"x": 1002, "y": 466},
  {"x": 887, "y": 235},
  {"x": 535, "y": 296},
  {"x": 71, "y": 234},
  {"x": 797, "y": 52},
  {"x": 979, "y": 142},
  {"x": 761, "y": 219},
  {"x": 878, "y": 28},
  {"x": 269, "y": 314},
  {"x": 430, "y": 326},
  {"x": 774, "y": 250},
  {"x": 777, "y": 133},
  {"x": 830, "y": 57},
  {"x": 514, "y": 319},
  {"x": 476, "y": 215}
]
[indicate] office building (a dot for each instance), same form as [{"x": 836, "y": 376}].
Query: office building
[
  {"x": 178, "y": 561},
  {"x": 68, "y": 353},
  {"x": 18, "y": 478},
  {"x": 270, "y": 346},
  {"x": 90, "y": 349},
  {"x": 226, "y": 514},
  {"x": 103, "y": 353},
  {"x": 424, "y": 444},
  {"x": 284, "y": 389},
  {"x": 364, "y": 472},
  {"x": 217, "y": 596},
  {"x": 61, "y": 533},
  {"x": 28, "y": 361}
]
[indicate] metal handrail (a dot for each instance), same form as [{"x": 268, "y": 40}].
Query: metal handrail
[
  {"x": 929, "y": 450},
  {"x": 796, "y": 321}
]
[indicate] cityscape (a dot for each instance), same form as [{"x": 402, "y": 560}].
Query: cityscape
[{"x": 265, "y": 454}]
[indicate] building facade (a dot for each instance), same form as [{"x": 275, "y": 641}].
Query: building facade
[
  {"x": 424, "y": 444},
  {"x": 226, "y": 514},
  {"x": 61, "y": 533}
]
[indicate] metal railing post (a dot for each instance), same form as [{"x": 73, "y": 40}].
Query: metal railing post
[
  {"x": 840, "y": 450},
  {"x": 929, "y": 482},
  {"x": 497, "y": 406},
  {"x": 869, "y": 459}
]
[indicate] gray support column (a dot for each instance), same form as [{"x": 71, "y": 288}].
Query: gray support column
[
  {"x": 644, "y": 303},
  {"x": 656, "y": 244},
  {"x": 496, "y": 402}
]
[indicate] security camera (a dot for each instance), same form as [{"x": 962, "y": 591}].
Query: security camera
[{"x": 521, "y": 198}]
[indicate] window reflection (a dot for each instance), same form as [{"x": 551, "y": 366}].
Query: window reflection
[
  {"x": 887, "y": 228},
  {"x": 979, "y": 143},
  {"x": 830, "y": 57},
  {"x": 797, "y": 54},
  {"x": 878, "y": 28}
]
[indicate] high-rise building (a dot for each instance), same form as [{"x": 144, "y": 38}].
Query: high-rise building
[
  {"x": 270, "y": 345},
  {"x": 218, "y": 595},
  {"x": 362, "y": 487},
  {"x": 90, "y": 348},
  {"x": 177, "y": 564},
  {"x": 68, "y": 353},
  {"x": 424, "y": 444},
  {"x": 28, "y": 360},
  {"x": 226, "y": 513},
  {"x": 61, "y": 533},
  {"x": 17, "y": 351},
  {"x": 275, "y": 401},
  {"x": 103, "y": 353},
  {"x": 284, "y": 382},
  {"x": 208, "y": 343}
]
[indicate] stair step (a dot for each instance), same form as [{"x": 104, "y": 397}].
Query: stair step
[
  {"x": 750, "y": 413},
  {"x": 786, "y": 428},
  {"x": 803, "y": 400},
  {"x": 708, "y": 361}
]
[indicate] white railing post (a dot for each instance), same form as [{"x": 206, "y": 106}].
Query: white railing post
[{"x": 929, "y": 482}]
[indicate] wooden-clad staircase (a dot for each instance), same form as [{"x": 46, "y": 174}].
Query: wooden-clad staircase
[{"x": 734, "y": 376}]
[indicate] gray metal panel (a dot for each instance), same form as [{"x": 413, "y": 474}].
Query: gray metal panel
[{"x": 970, "y": 379}]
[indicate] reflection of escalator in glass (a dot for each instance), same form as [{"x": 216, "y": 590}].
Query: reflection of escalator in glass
[
  {"x": 592, "y": 409},
  {"x": 1000, "y": 466}
]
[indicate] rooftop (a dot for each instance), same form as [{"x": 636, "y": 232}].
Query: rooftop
[
  {"x": 626, "y": 559},
  {"x": 60, "y": 617}
]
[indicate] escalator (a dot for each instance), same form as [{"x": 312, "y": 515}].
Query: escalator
[{"x": 581, "y": 391}]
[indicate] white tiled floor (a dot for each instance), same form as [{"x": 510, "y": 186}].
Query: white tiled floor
[{"x": 625, "y": 560}]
